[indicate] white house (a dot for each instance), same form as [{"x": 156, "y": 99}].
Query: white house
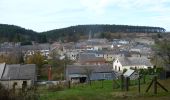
[
  {"x": 17, "y": 75},
  {"x": 131, "y": 62},
  {"x": 72, "y": 55}
]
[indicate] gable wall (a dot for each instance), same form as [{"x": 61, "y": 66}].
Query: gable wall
[
  {"x": 9, "y": 83},
  {"x": 117, "y": 65}
]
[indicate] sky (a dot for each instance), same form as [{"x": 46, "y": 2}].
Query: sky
[{"x": 44, "y": 15}]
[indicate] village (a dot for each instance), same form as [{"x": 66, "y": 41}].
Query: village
[
  {"x": 92, "y": 59},
  {"x": 57, "y": 66},
  {"x": 84, "y": 50}
]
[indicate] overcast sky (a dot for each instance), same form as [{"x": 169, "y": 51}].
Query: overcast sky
[{"x": 43, "y": 15}]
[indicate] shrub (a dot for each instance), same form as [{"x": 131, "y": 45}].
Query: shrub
[
  {"x": 58, "y": 87},
  {"x": 4, "y": 94},
  {"x": 124, "y": 70},
  {"x": 30, "y": 94}
]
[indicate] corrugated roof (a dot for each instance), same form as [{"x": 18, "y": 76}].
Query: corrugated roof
[{"x": 128, "y": 72}]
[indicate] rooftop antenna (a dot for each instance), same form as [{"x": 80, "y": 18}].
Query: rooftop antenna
[{"x": 90, "y": 35}]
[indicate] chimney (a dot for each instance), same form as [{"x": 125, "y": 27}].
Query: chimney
[{"x": 49, "y": 72}]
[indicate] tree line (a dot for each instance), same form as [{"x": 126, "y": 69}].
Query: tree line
[
  {"x": 12, "y": 33},
  {"x": 73, "y": 33}
]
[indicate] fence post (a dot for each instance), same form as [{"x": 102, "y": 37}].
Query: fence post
[
  {"x": 139, "y": 84},
  {"x": 155, "y": 84},
  {"x": 122, "y": 82},
  {"x": 102, "y": 82},
  {"x": 69, "y": 84},
  {"x": 113, "y": 84},
  {"x": 127, "y": 83},
  {"x": 144, "y": 81}
]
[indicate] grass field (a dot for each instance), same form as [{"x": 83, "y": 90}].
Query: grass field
[{"x": 106, "y": 92}]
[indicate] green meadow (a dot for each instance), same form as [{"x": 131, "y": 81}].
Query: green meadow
[{"x": 106, "y": 90}]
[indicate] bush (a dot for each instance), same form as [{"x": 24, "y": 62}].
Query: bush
[
  {"x": 30, "y": 94},
  {"x": 4, "y": 94},
  {"x": 124, "y": 70},
  {"x": 58, "y": 87}
]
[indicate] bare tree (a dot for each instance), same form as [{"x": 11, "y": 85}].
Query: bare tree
[
  {"x": 163, "y": 51},
  {"x": 88, "y": 72}
]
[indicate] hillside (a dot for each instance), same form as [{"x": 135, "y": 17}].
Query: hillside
[
  {"x": 12, "y": 33},
  {"x": 75, "y": 32}
]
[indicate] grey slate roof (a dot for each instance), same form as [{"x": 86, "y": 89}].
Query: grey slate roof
[
  {"x": 2, "y": 67},
  {"x": 128, "y": 61},
  {"x": 27, "y": 71},
  {"x": 17, "y": 71},
  {"x": 97, "y": 72},
  {"x": 12, "y": 49},
  {"x": 85, "y": 57},
  {"x": 80, "y": 69},
  {"x": 36, "y": 47},
  {"x": 11, "y": 71}
]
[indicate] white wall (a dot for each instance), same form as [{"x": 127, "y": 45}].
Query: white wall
[
  {"x": 117, "y": 65},
  {"x": 9, "y": 84}
]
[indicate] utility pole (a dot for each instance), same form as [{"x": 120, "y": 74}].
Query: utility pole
[
  {"x": 64, "y": 69},
  {"x": 64, "y": 59},
  {"x": 49, "y": 73},
  {"x": 64, "y": 72}
]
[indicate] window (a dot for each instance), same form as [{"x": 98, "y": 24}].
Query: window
[
  {"x": 119, "y": 68},
  {"x": 14, "y": 85},
  {"x": 115, "y": 67},
  {"x": 24, "y": 84}
]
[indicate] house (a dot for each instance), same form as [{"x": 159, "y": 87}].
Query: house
[
  {"x": 17, "y": 75},
  {"x": 90, "y": 58},
  {"x": 10, "y": 44},
  {"x": 120, "y": 42},
  {"x": 132, "y": 74},
  {"x": 68, "y": 46},
  {"x": 97, "y": 40},
  {"x": 29, "y": 50},
  {"x": 143, "y": 49},
  {"x": 121, "y": 63},
  {"x": 97, "y": 44},
  {"x": 111, "y": 55},
  {"x": 72, "y": 55},
  {"x": 135, "y": 54},
  {"x": 145, "y": 40},
  {"x": 56, "y": 45},
  {"x": 81, "y": 73}
]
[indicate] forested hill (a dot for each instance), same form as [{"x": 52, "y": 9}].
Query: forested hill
[
  {"x": 74, "y": 32},
  {"x": 12, "y": 33}
]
